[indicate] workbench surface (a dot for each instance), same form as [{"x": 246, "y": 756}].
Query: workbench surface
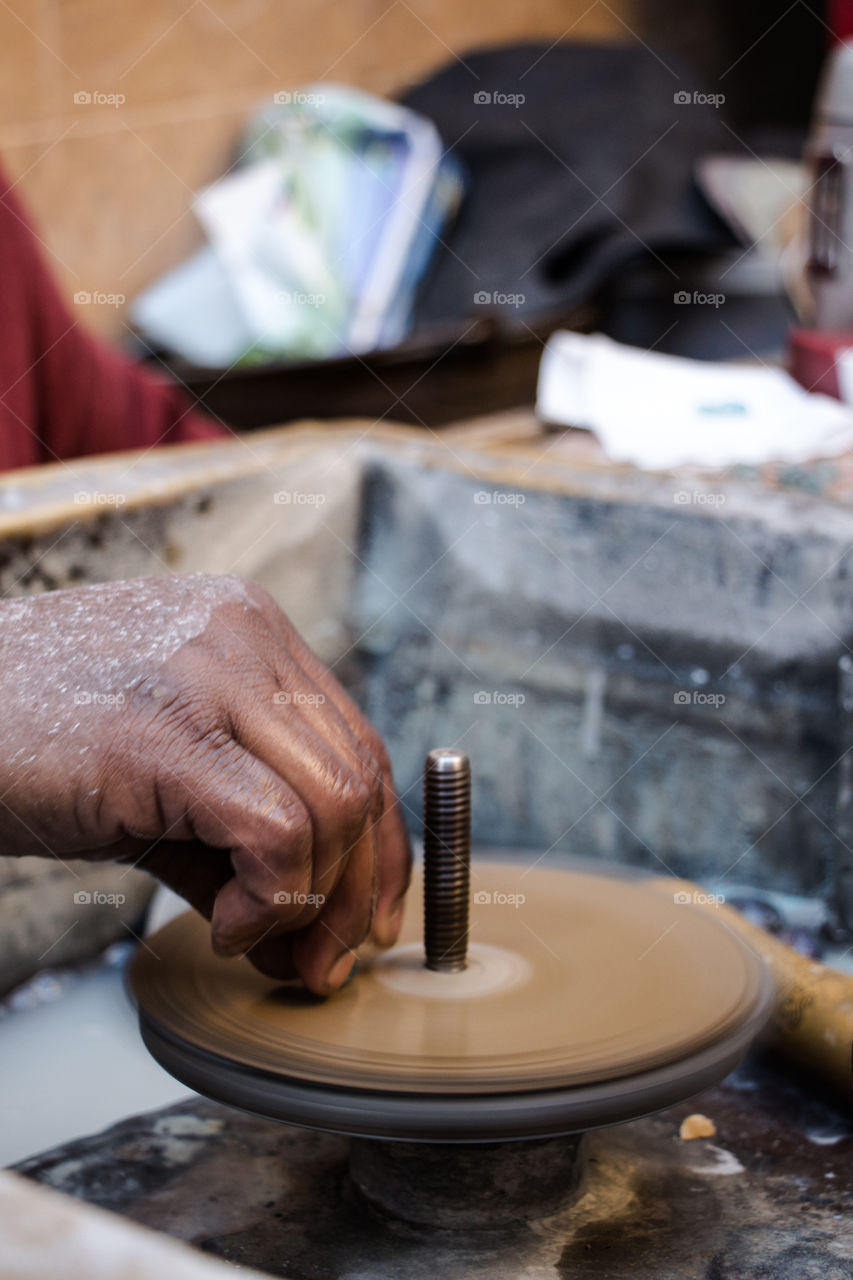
[{"x": 769, "y": 1198}]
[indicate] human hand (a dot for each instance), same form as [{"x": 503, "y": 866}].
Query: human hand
[{"x": 181, "y": 723}]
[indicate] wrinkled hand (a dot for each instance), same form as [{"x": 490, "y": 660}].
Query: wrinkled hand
[{"x": 182, "y": 724}]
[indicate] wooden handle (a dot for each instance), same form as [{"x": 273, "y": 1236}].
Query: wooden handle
[{"x": 812, "y": 1021}]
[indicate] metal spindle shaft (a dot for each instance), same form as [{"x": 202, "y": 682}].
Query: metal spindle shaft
[{"x": 447, "y": 859}]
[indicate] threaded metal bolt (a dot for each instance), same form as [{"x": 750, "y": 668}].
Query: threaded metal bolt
[{"x": 447, "y": 859}]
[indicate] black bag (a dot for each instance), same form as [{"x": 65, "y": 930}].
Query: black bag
[{"x": 580, "y": 160}]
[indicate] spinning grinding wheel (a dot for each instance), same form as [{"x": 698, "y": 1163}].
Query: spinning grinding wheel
[{"x": 581, "y": 1000}]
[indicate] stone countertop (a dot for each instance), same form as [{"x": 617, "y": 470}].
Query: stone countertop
[
  {"x": 520, "y": 434},
  {"x": 769, "y": 1198}
]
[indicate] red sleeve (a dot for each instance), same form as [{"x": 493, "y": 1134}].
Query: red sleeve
[{"x": 64, "y": 393}]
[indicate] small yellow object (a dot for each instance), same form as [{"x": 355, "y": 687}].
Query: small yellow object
[{"x": 696, "y": 1126}]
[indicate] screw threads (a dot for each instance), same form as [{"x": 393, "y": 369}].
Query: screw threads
[{"x": 447, "y": 859}]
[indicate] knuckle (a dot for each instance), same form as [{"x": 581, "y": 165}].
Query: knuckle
[
  {"x": 283, "y": 844},
  {"x": 372, "y": 769},
  {"x": 293, "y": 825},
  {"x": 376, "y": 752},
  {"x": 354, "y": 801},
  {"x": 165, "y": 724},
  {"x": 375, "y": 776}
]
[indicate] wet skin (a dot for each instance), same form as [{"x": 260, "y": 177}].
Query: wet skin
[{"x": 182, "y": 724}]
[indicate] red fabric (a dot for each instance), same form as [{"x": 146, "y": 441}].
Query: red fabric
[
  {"x": 841, "y": 18},
  {"x": 812, "y": 358},
  {"x": 63, "y": 393}
]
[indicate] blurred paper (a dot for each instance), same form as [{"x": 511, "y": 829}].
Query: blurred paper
[
  {"x": 317, "y": 241},
  {"x": 193, "y": 310}
]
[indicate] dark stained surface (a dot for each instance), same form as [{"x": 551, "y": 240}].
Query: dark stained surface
[{"x": 769, "y": 1198}]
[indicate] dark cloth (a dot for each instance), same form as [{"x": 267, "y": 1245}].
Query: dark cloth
[
  {"x": 591, "y": 171},
  {"x": 63, "y": 393}
]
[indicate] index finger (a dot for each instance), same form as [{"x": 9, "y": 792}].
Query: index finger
[{"x": 394, "y": 853}]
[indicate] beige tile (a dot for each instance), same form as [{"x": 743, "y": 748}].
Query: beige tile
[
  {"x": 114, "y": 209},
  {"x": 410, "y": 40},
  {"x": 169, "y": 50},
  {"x": 175, "y": 49},
  {"x": 30, "y": 63}
]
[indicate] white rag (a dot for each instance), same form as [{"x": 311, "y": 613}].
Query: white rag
[{"x": 659, "y": 411}]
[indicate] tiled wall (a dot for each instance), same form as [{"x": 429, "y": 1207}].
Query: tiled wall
[{"x": 111, "y": 185}]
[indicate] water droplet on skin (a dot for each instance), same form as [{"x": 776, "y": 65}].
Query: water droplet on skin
[{"x": 91, "y": 639}]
